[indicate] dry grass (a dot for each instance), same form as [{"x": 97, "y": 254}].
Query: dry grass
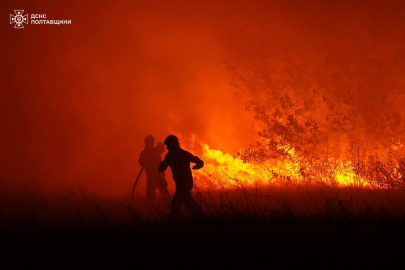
[
  {"x": 240, "y": 224},
  {"x": 80, "y": 207}
]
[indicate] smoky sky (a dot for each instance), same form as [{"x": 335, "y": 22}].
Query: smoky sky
[{"x": 77, "y": 100}]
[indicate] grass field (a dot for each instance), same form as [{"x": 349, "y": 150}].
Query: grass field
[{"x": 316, "y": 226}]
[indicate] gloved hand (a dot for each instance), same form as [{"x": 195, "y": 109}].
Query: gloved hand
[{"x": 195, "y": 167}]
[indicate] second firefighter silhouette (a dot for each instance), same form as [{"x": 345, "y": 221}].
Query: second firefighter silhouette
[
  {"x": 179, "y": 161},
  {"x": 150, "y": 160}
]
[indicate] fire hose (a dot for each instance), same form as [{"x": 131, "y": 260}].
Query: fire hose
[{"x": 136, "y": 182}]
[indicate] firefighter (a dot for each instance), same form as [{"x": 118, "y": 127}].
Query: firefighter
[
  {"x": 179, "y": 161},
  {"x": 150, "y": 159}
]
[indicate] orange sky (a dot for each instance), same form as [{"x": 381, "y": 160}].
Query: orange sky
[{"x": 77, "y": 100}]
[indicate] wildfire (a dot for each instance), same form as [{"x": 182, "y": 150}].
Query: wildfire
[{"x": 223, "y": 170}]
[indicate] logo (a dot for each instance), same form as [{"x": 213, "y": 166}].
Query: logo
[{"x": 18, "y": 19}]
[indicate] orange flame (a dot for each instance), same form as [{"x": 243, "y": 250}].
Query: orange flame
[{"x": 223, "y": 170}]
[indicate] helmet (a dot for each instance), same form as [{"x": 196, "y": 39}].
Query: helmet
[
  {"x": 149, "y": 139},
  {"x": 172, "y": 140}
]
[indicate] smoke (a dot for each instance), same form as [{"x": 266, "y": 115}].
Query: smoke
[
  {"x": 78, "y": 100},
  {"x": 347, "y": 54}
]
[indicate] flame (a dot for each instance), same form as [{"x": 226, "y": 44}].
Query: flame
[
  {"x": 227, "y": 170},
  {"x": 223, "y": 170}
]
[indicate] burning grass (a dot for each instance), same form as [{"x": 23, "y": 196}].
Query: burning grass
[{"x": 279, "y": 207}]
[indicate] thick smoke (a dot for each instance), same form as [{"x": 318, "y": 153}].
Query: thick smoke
[{"x": 78, "y": 100}]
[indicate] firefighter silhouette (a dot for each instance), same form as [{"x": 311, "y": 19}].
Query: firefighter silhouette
[
  {"x": 179, "y": 161},
  {"x": 150, "y": 159}
]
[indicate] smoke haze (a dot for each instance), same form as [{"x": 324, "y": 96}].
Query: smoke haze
[{"x": 77, "y": 100}]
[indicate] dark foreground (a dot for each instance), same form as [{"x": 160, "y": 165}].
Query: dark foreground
[
  {"x": 316, "y": 228},
  {"x": 207, "y": 244}
]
